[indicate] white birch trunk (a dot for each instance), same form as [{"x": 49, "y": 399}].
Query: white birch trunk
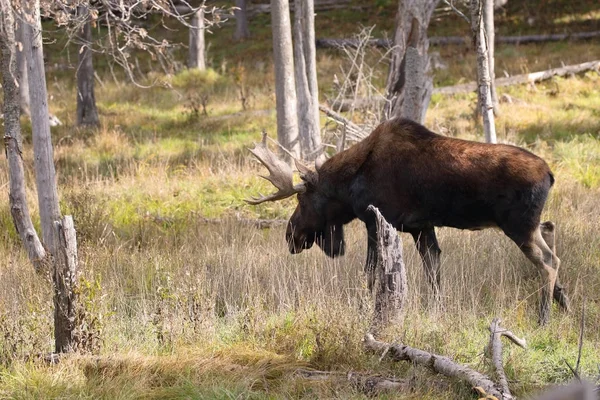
[
  {"x": 242, "y": 31},
  {"x": 46, "y": 178},
  {"x": 285, "y": 84},
  {"x": 13, "y": 142},
  {"x": 408, "y": 11},
  {"x": 22, "y": 72},
  {"x": 196, "y": 43},
  {"x": 490, "y": 34},
  {"x": 483, "y": 73},
  {"x": 305, "y": 64}
]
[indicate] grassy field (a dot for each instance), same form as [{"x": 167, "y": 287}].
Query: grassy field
[{"x": 180, "y": 300}]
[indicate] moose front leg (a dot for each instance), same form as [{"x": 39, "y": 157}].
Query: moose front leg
[{"x": 428, "y": 248}]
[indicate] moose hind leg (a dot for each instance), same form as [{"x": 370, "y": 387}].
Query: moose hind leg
[
  {"x": 538, "y": 252},
  {"x": 428, "y": 248},
  {"x": 548, "y": 234}
]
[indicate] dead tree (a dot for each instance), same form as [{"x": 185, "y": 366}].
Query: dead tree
[
  {"x": 285, "y": 84},
  {"x": 412, "y": 20},
  {"x": 59, "y": 245},
  {"x": 484, "y": 94},
  {"x": 196, "y": 44},
  {"x": 12, "y": 140},
  {"x": 242, "y": 31},
  {"x": 307, "y": 90},
  {"x": 391, "y": 289},
  {"x": 22, "y": 72},
  {"x": 87, "y": 112}
]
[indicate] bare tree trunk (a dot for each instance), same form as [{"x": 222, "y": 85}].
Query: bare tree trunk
[
  {"x": 13, "y": 142},
  {"x": 285, "y": 84},
  {"x": 412, "y": 20},
  {"x": 391, "y": 290},
  {"x": 196, "y": 51},
  {"x": 242, "y": 31},
  {"x": 305, "y": 63},
  {"x": 87, "y": 113},
  {"x": 45, "y": 173},
  {"x": 488, "y": 20},
  {"x": 483, "y": 73},
  {"x": 65, "y": 284},
  {"x": 22, "y": 72}
]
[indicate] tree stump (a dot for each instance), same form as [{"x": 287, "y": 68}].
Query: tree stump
[{"x": 391, "y": 284}]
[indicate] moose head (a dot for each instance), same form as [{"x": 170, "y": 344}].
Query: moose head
[{"x": 316, "y": 217}]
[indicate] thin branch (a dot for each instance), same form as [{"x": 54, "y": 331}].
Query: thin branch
[{"x": 457, "y": 11}]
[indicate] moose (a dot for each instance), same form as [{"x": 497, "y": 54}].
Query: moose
[{"x": 420, "y": 180}]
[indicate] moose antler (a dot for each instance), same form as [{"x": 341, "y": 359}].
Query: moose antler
[{"x": 280, "y": 174}]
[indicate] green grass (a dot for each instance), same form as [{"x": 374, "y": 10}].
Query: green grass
[{"x": 182, "y": 299}]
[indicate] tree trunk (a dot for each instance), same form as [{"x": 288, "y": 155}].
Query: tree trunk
[
  {"x": 391, "y": 289},
  {"x": 412, "y": 20},
  {"x": 65, "y": 281},
  {"x": 242, "y": 31},
  {"x": 196, "y": 51},
  {"x": 22, "y": 72},
  {"x": 483, "y": 73},
  {"x": 45, "y": 172},
  {"x": 87, "y": 113},
  {"x": 488, "y": 20},
  {"x": 13, "y": 142},
  {"x": 285, "y": 84},
  {"x": 306, "y": 79}
]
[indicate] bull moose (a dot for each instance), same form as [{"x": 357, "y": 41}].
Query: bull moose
[{"x": 420, "y": 180}]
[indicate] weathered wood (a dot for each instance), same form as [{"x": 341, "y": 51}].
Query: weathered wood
[
  {"x": 412, "y": 107},
  {"x": 495, "y": 350},
  {"x": 490, "y": 34},
  {"x": 484, "y": 94},
  {"x": 22, "y": 72},
  {"x": 412, "y": 21},
  {"x": 65, "y": 282},
  {"x": 196, "y": 50},
  {"x": 365, "y": 383},
  {"x": 285, "y": 83},
  {"x": 352, "y": 130},
  {"x": 439, "y": 364},
  {"x": 13, "y": 143},
  {"x": 242, "y": 31},
  {"x": 462, "y": 40},
  {"x": 42, "y": 142},
  {"x": 307, "y": 90},
  {"x": 533, "y": 77},
  {"x": 389, "y": 273},
  {"x": 87, "y": 112},
  {"x": 59, "y": 242}
]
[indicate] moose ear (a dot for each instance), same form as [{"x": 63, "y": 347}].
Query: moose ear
[{"x": 306, "y": 174}]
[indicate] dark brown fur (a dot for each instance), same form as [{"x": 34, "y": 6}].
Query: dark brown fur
[{"x": 420, "y": 180}]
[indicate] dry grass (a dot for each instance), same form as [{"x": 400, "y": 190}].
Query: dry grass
[{"x": 178, "y": 308}]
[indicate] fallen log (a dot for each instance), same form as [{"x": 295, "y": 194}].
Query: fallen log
[
  {"x": 324, "y": 43},
  {"x": 439, "y": 364},
  {"x": 254, "y": 223},
  {"x": 369, "y": 384},
  {"x": 533, "y": 77},
  {"x": 495, "y": 352}
]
